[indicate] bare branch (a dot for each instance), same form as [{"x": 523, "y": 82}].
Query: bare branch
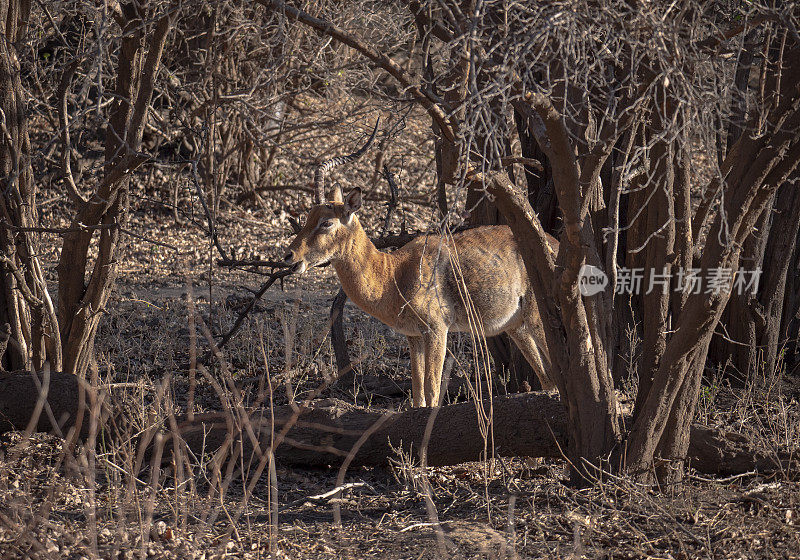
[
  {"x": 553, "y": 138},
  {"x": 380, "y": 59},
  {"x": 66, "y": 165}
]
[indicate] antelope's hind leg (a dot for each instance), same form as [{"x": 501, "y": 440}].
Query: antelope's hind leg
[
  {"x": 435, "y": 350},
  {"x": 526, "y": 342}
]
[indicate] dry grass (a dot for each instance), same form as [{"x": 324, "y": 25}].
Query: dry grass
[{"x": 59, "y": 502}]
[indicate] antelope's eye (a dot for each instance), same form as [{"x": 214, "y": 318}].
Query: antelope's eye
[{"x": 327, "y": 224}]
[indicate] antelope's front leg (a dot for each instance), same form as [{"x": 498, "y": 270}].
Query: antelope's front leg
[
  {"x": 416, "y": 348},
  {"x": 435, "y": 349}
]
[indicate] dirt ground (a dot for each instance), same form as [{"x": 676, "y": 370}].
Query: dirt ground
[{"x": 63, "y": 503}]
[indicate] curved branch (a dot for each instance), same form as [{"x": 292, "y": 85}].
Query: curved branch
[
  {"x": 380, "y": 59},
  {"x": 147, "y": 80},
  {"x": 425, "y": 23},
  {"x": 553, "y": 138},
  {"x": 257, "y": 296},
  {"x": 66, "y": 166},
  {"x": 22, "y": 284}
]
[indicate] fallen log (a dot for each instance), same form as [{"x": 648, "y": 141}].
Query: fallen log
[
  {"x": 330, "y": 432},
  {"x": 525, "y": 425},
  {"x": 20, "y": 401}
]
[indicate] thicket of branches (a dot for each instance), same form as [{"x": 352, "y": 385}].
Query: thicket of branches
[
  {"x": 207, "y": 95},
  {"x": 653, "y": 136},
  {"x": 618, "y": 102}
]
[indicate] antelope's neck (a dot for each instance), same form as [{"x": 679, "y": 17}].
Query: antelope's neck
[{"x": 367, "y": 275}]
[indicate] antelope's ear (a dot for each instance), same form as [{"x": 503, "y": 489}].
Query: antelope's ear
[{"x": 352, "y": 203}]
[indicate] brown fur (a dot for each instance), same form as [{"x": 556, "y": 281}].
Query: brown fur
[{"x": 425, "y": 288}]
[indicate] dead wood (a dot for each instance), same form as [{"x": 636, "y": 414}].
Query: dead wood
[
  {"x": 20, "y": 402},
  {"x": 325, "y": 433},
  {"x": 528, "y": 425}
]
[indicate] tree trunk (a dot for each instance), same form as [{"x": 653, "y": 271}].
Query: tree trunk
[
  {"x": 528, "y": 425},
  {"x": 82, "y": 298},
  {"x": 755, "y": 318},
  {"x": 22, "y": 399},
  {"x": 24, "y": 302},
  {"x": 754, "y": 168},
  {"x": 658, "y": 249},
  {"x": 673, "y": 449},
  {"x": 790, "y": 321},
  {"x": 541, "y": 193},
  {"x": 737, "y": 340},
  {"x": 582, "y": 377}
]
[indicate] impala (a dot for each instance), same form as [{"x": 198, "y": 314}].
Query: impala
[{"x": 471, "y": 281}]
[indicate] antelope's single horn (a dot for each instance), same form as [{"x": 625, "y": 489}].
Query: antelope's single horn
[{"x": 325, "y": 166}]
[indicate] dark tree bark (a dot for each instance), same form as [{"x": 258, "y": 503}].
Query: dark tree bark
[
  {"x": 790, "y": 321},
  {"x": 532, "y": 425},
  {"x": 753, "y": 319},
  {"x": 781, "y": 247},
  {"x": 541, "y": 194},
  {"x": 527, "y": 425},
  {"x": 754, "y": 168},
  {"x": 53, "y": 401},
  {"x": 659, "y": 245},
  {"x": 737, "y": 340},
  {"x": 748, "y": 340},
  {"x": 84, "y": 286},
  {"x": 24, "y": 302}
]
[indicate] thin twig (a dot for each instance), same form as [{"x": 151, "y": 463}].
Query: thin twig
[
  {"x": 66, "y": 165},
  {"x": 392, "y": 204},
  {"x": 58, "y": 231},
  {"x": 212, "y": 229},
  {"x": 149, "y": 239},
  {"x": 230, "y": 263},
  {"x": 234, "y": 329}
]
